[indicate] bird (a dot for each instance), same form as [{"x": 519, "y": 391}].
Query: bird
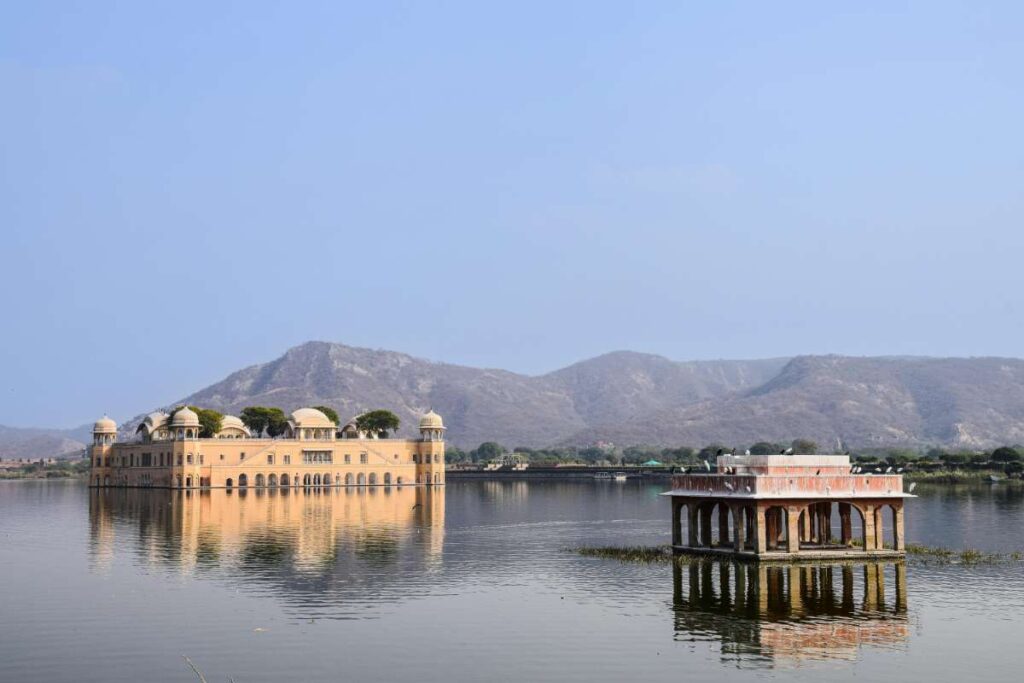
[
  {"x": 888, "y": 470},
  {"x": 733, "y": 452},
  {"x": 912, "y": 485},
  {"x": 707, "y": 465},
  {"x": 898, "y": 471},
  {"x": 728, "y": 486},
  {"x": 817, "y": 473},
  {"x": 748, "y": 489},
  {"x": 719, "y": 452},
  {"x": 788, "y": 451},
  {"x": 746, "y": 452}
]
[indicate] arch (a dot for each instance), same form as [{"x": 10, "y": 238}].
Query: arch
[
  {"x": 361, "y": 479},
  {"x": 106, "y": 480},
  {"x": 284, "y": 480},
  {"x": 316, "y": 479},
  {"x": 179, "y": 481},
  {"x": 243, "y": 480},
  {"x": 400, "y": 480},
  {"x": 337, "y": 480},
  {"x": 188, "y": 459},
  {"x": 260, "y": 480},
  {"x": 272, "y": 481},
  {"x": 295, "y": 479},
  {"x": 307, "y": 479},
  {"x": 437, "y": 477},
  {"x": 326, "y": 479},
  {"x": 348, "y": 479},
  {"x": 188, "y": 481},
  {"x": 776, "y": 519},
  {"x": 387, "y": 479},
  {"x": 373, "y": 479},
  {"x": 229, "y": 482}
]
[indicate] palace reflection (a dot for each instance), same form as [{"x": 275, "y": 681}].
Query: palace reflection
[
  {"x": 786, "y": 613},
  {"x": 333, "y": 544}
]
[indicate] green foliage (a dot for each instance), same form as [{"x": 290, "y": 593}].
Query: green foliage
[
  {"x": 260, "y": 419},
  {"x": 209, "y": 421},
  {"x": 379, "y": 422},
  {"x": 1015, "y": 467},
  {"x": 487, "y": 451},
  {"x": 1005, "y": 454},
  {"x": 454, "y": 454},
  {"x": 684, "y": 455},
  {"x": 330, "y": 412},
  {"x": 954, "y": 458},
  {"x": 710, "y": 452},
  {"x": 804, "y": 447},
  {"x": 277, "y": 422},
  {"x": 765, "y": 448}
]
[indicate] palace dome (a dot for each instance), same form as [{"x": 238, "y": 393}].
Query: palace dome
[
  {"x": 431, "y": 421},
  {"x": 104, "y": 425},
  {"x": 184, "y": 417},
  {"x": 231, "y": 421},
  {"x": 310, "y": 417}
]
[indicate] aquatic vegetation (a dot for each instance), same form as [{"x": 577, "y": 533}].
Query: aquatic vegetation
[{"x": 645, "y": 554}]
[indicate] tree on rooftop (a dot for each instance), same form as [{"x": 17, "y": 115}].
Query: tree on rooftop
[
  {"x": 379, "y": 422},
  {"x": 765, "y": 448},
  {"x": 260, "y": 419},
  {"x": 277, "y": 422},
  {"x": 209, "y": 421},
  {"x": 330, "y": 412},
  {"x": 804, "y": 447}
]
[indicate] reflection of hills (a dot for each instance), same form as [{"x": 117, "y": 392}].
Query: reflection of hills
[
  {"x": 326, "y": 546},
  {"x": 794, "y": 612}
]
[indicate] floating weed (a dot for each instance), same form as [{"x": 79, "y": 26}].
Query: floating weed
[{"x": 645, "y": 554}]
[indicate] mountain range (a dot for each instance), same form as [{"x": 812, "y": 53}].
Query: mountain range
[{"x": 635, "y": 398}]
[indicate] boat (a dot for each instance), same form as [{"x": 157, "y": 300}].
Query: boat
[
  {"x": 619, "y": 476},
  {"x": 602, "y": 475}
]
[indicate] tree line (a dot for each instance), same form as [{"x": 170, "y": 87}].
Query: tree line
[{"x": 271, "y": 421}]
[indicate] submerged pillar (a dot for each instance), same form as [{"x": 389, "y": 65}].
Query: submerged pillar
[
  {"x": 739, "y": 530},
  {"x": 760, "y": 532},
  {"x": 691, "y": 524},
  {"x": 705, "y": 526},
  {"x": 793, "y": 529},
  {"x": 869, "y": 527},
  {"x": 897, "y": 526},
  {"x": 723, "y": 524},
  {"x": 845, "y": 524}
]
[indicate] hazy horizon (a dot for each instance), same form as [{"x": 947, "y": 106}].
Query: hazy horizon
[{"x": 191, "y": 189}]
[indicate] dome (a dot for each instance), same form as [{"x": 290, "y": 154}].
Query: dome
[
  {"x": 231, "y": 421},
  {"x": 184, "y": 417},
  {"x": 431, "y": 421},
  {"x": 310, "y": 417},
  {"x": 104, "y": 425}
]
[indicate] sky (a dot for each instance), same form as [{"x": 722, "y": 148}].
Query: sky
[{"x": 188, "y": 188}]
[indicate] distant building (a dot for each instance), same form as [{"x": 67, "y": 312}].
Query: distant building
[
  {"x": 781, "y": 506},
  {"x": 168, "y": 453}
]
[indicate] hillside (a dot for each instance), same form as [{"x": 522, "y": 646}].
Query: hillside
[{"x": 635, "y": 398}]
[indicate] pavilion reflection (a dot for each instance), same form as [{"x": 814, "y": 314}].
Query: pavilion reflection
[
  {"x": 786, "y": 613},
  {"x": 346, "y": 542}
]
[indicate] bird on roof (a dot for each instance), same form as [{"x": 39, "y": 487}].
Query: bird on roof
[
  {"x": 707, "y": 465},
  {"x": 748, "y": 489},
  {"x": 728, "y": 486},
  {"x": 788, "y": 451},
  {"x": 888, "y": 470},
  {"x": 746, "y": 452},
  {"x": 733, "y": 452},
  {"x": 912, "y": 485},
  {"x": 898, "y": 471},
  {"x": 817, "y": 473},
  {"x": 719, "y": 452}
]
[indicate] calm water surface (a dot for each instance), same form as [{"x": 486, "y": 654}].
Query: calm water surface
[{"x": 472, "y": 582}]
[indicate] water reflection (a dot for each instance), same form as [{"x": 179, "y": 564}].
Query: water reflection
[
  {"x": 779, "y": 614},
  {"x": 320, "y": 546}
]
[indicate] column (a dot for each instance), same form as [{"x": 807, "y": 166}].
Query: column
[
  {"x": 677, "y": 525},
  {"x": 880, "y": 527},
  {"x": 806, "y": 533},
  {"x": 760, "y": 535},
  {"x": 795, "y": 586},
  {"x": 723, "y": 525},
  {"x": 739, "y": 529},
  {"x": 869, "y": 527},
  {"x": 870, "y": 585},
  {"x": 793, "y": 530},
  {"x": 705, "y": 526},
  {"x": 845, "y": 525},
  {"x": 691, "y": 517},
  {"x": 897, "y": 525},
  {"x": 826, "y": 523}
]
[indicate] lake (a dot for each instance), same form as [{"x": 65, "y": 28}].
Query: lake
[{"x": 475, "y": 582}]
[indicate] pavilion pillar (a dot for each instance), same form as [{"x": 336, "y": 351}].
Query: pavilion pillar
[
  {"x": 869, "y": 527},
  {"x": 677, "y": 524},
  {"x": 793, "y": 529},
  {"x": 705, "y": 526},
  {"x": 760, "y": 532},
  {"x": 723, "y": 525},
  {"x": 805, "y": 528},
  {"x": 826, "y": 523},
  {"x": 897, "y": 526},
  {"x": 692, "y": 516},
  {"x": 880, "y": 527},
  {"x": 739, "y": 529},
  {"x": 845, "y": 525}
]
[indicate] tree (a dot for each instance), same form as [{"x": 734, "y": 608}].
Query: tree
[
  {"x": 1005, "y": 454},
  {"x": 330, "y": 412},
  {"x": 710, "y": 452},
  {"x": 260, "y": 419},
  {"x": 804, "y": 447},
  {"x": 1015, "y": 467},
  {"x": 489, "y": 450},
  {"x": 209, "y": 421},
  {"x": 277, "y": 422},
  {"x": 378, "y": 422},
  {"x": 954, "y": 458},
  {"x": 765, "y": 448}
]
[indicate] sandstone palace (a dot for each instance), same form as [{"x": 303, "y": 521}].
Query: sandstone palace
[{"x": 167, "y": 452}]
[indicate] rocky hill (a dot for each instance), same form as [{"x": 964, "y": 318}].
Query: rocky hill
[
  {"x": 17, "y": 442},
  {"x": 634, "y": 398}
]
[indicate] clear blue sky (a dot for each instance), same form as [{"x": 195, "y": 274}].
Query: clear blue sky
[{"x": 189, "y": 188}]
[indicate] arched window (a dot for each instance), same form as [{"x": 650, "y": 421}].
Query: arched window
[
  {"x": 348, "y": 479},
  {"x": 387, "y": 478},
  {"x": 272, "y": 481},
  {"x": 189, "y": 459},
  {"x": 400, "y": 482},
  {"x": 260, "y": 481},
  {"x": 373, "y": 478},
  {"x": 284, "y": 479},
  {"x": 243, "y": 480},
  {"x": 229, "y": 483},
  {"x": 361, "y": 479}
]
